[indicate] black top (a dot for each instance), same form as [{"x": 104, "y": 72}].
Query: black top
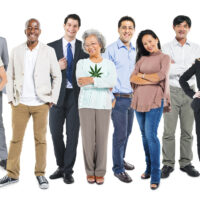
[
  {"x": 79, "y": 54},
  {"x": 193, "y": 70}
]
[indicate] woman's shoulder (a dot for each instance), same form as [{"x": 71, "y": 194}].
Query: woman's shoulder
[{"x": 82, "y": 61}]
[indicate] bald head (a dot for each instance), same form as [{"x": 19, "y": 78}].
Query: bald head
[{"x": 32, "y": 19}]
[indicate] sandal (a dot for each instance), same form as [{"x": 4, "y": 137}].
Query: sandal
[
  {"x": 145, "y": 176},
  {"x": 154, "y": 186},
  {"x": 99, "y": 180},
  {"x": 91, "y": 179}
]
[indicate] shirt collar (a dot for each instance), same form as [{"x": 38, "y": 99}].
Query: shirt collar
[
  {"x": 65, "y": 42},
  {"x": 175, "y": 42},
  {"x": 120, "y": 44}
]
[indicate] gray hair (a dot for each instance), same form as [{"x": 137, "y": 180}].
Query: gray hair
[
  {"x": 27, "y": 22},
  {"x": 98, "y": 35}
]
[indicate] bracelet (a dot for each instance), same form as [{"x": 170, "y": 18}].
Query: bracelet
[{"x": 143, "y": 75}]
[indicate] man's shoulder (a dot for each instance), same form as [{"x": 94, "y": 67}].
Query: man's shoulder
[
  {"x": 54, "y": 43},
  {"x": 112, "y": 46}
]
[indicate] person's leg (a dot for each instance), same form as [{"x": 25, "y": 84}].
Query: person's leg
[
  {"x": 20, "y": 117},
  {"x": 39, "y": 114},
  {"x": 152, "y": 121},
  {"x": 102, "y": 129},
  {"x": 87, "y": 122},
  {"x": 129, "y": 125},
  {"x": 186, "y": 124},
  {"x": 141, "y": 121},
  {"x": 3, "y": 147},
  {"x": 56, "y": 122},
  {"x": 72, "y": 132},
  {"x": 197, "y": 123},
  {"x": 120, "y": 121},
  {"x": 170, "y": 122}
]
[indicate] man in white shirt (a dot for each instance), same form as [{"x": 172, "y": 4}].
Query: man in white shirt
[
  {"x": 30, "y": 92},
  {"x": 183, "y": 54}
]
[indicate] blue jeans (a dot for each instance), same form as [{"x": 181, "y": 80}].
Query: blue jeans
[
  {"x": 148, "y": 122},
  {"x": 122, "y": 117}
]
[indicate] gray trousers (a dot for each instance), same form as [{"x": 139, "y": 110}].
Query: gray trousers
[
  {"x": 94, "y": 130},
  {"x": 181, "y": 108},
  {"x": 3, "y": 147}
]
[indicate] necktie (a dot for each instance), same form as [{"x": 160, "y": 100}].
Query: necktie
[{"x": 69, "y": 62}]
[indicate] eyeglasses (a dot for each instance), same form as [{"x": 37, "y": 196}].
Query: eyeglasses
[{"x": 92, "y": 44}]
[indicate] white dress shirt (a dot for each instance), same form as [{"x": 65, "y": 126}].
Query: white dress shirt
[
  {"x": 65, "y": 42},
  {"x": 28, "y": 95},
  {"x": 182, "y": 58}
]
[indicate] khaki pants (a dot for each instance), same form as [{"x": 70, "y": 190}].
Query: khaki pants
[
  {"x": 20, "y": 117},
  {"x": 180, "y": 108},
  {"x": 94, "y": 130}
]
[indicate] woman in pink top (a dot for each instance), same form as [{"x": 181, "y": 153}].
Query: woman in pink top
[{"x": 151, "y": 94}]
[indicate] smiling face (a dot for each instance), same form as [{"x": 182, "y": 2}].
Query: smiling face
[
  {"x": 150, "y": 43},
  {"x": 33, "y": 31},
  {"x": 126, "y": 31},
  {"x": 92, "y": 46},
  {"x": 71, "y": 28},
  {"x": 181, "y": 30}
]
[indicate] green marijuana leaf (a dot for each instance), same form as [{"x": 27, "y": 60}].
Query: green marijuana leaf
[{"x": 95, "y": 72}]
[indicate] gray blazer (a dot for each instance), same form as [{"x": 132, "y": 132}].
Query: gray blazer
[{"x": 46, "y": 67}]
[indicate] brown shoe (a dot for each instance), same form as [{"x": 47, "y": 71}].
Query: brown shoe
[
  {"x": 91, "y": 179},
  {"x": 99, "y": 180}
]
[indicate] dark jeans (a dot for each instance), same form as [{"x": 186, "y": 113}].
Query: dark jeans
[
  {"x": 65, "y": 153},
  {"x": 122, "y": 117},
  {"x": 197, "y": 124},
  {"x": 148, "y": 122}
]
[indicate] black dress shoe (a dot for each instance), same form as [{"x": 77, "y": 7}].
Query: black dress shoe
[
  {"x": 124, "y": 177},
  {"x": 190, "y": 170},
  {"x": 3, "y": 163},
  {"x": 128, "y": 166},
  {"x": 68, "y": 179},
  {"x": 166, "y": 170},
  {"x": 57, "y": 174}
]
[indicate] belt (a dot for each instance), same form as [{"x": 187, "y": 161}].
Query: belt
[{"x": 123, "y": 95}]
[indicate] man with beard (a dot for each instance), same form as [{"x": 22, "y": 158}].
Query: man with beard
[{"x": 31, "y": 92}]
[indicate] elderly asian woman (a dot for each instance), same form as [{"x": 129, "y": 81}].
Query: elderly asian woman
[{"x": 95, "y": 76}]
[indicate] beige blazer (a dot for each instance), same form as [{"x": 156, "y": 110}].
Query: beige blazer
[{"x": 46, "y": 68}]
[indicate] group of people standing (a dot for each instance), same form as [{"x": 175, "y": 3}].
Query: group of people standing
[{"x": 85, "y": 84}]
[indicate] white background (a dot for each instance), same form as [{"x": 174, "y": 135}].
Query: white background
[{"x": 102, "y": 15}]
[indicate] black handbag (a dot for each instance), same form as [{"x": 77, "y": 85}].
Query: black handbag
[{"x": 195, "y": 104}]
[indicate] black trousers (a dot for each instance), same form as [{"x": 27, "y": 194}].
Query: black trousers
[
  {"x": 197, "y": 123},
  {"x": 65, "y": 153}
]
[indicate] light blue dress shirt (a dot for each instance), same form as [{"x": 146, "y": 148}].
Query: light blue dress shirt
[
  {"x": 97, "y": 95},
  {"x": 124, "y": 60}
]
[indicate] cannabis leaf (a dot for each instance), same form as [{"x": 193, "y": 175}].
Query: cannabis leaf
[{"x": 95, "y": 72}]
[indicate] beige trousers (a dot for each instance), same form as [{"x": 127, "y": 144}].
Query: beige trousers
[
  {"x": 94, "y": 129},
  {"x": 20, "y": 117}
]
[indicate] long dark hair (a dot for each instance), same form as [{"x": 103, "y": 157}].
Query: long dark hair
[{"x": 141, "y": 51}]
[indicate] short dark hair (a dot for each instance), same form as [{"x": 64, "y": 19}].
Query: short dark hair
[
  {"x": 75, "y": 17},
  {"x": 126, "y": 18},
  {"x": 180, "y": 19},
  {"x": 141, "y": 51}
]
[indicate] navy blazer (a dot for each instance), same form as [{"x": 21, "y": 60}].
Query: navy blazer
[{"x": 79, "y": 54}]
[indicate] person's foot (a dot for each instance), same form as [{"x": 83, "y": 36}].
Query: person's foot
[
  {"x": 90, "y": 179},
  {"x": 128, "y": 166},
  {"x": 7, "y": 180},
  {"x": 57, "y": 174},
  {"x": 190, "y": 170},
  {"x": 124, "y": 177},
  {"x": 42, "y": 181},
  {"x": 166, "y": 170},
  {"x": 3, "y": 163},
  {"x": 145, "y": 176},
  {"x": 154, "y": 186},
  {"x": 99, "y": 180},
  {"x": 68, "y": 179}
]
